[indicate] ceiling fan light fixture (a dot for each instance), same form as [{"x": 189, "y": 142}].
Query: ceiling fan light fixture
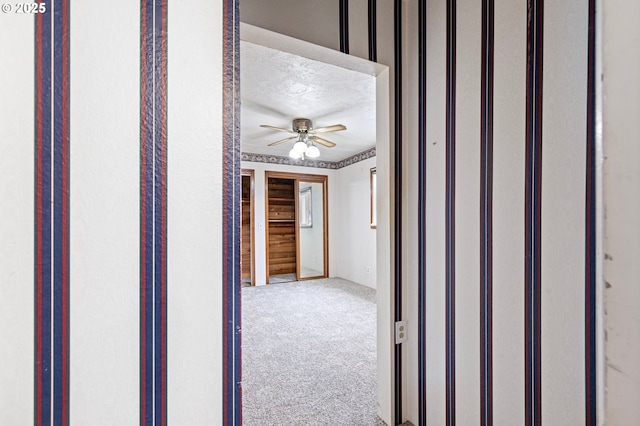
[
  {"x": 295, "y": 154},
  {"x": 312, "y": 152},
  {"x": 305, "y": 146},
  {"x": 299, "y": 147}
]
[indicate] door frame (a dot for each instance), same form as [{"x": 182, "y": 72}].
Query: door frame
[
  {"x": 325, "y": 219},
  {"x": 385, "y": 239}
]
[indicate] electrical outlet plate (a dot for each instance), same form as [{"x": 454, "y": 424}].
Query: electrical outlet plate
[{"x": 401, "y": 332}]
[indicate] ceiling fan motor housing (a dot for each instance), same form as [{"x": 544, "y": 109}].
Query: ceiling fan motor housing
[{"x": 302, "y": 125}]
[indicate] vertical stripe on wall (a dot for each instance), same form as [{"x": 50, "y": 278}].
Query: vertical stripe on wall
[
  {"x": 344, "y": 26},
  {"x": 397, "y": 221},
  {"x": 232, "y": 402},
  {"x": 153, "y": 213},
  {"x": 590, "y": 228},
  {"x": 486, "y": 216},
  {"x": 51, "y": 243},
  {"x": 450, "y": 209},
  {"x": 533, "y": 209},
  {"x": 422, "y": 211},
  {"x": 373, "y": 31}
]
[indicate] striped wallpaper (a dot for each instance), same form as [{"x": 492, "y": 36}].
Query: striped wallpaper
[
  {"x": 51, "y": 334},
  {"x": 109, "y": 282},
  {"x": 455, "y": 76},
  {"x": 470, "y": 82},
  {"x": 134, "y": 178},
  {"x": 232, "y": 390},
  {"x": 153, "y": 212},
  {"x": 458, "y": 67}
]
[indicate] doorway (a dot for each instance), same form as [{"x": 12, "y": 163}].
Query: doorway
[
  {"x": 384, "y": 306},
  {"x": 297, "y": 227}
]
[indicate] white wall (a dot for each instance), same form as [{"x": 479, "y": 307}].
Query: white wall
[
  {"x": 356, "y": 247},
  {"x": 105, "y": 225},
  {"x": 309, "y": 20},
  {"x": 16, "y": 220},
  {"x": 508, "y": 211},
  {"x": 621, "y": 196},
  {"x": 195, "y": 250}
]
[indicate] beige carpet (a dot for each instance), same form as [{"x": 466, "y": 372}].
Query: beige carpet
[{"x": 309, "y": 354}]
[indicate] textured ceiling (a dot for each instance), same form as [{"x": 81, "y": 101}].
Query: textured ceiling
[{"x": 277, "y": 87}]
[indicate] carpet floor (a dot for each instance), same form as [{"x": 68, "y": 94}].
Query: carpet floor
[
  {"x": 309, "y": 354},
  {"x": 282, "y": 278}
]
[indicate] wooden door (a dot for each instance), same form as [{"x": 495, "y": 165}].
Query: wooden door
[
  {"x": 281, "y": 221},
  {"x": 284, "y": 234},
  {"x": 246, "y": 240}
]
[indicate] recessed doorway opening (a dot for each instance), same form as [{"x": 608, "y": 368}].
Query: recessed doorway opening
[{"x": 346, "y": 248}]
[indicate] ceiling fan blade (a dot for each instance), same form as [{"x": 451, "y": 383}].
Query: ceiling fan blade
[
  {"x": 322, "y": 141},
  {"x": 277, "y": 128},
  {"x": 281, "y": 141},
  {"x": 327, "y": 129}
]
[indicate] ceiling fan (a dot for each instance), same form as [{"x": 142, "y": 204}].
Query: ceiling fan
[{"x": 302, "y": 129}]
